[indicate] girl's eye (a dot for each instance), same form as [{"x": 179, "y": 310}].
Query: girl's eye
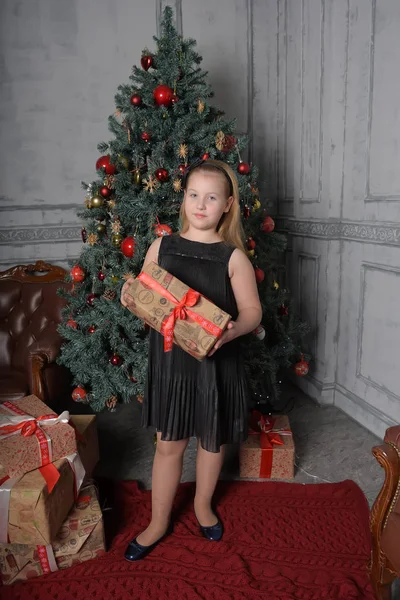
[
  {"x": 212, "y": 197},
  {"x": 193, "y": 195}
]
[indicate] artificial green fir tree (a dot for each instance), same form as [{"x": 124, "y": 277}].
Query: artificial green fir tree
[{"x": 163, "y": 122}]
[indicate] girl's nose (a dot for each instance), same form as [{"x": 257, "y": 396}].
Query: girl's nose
[{"x": 200, "y": 203}]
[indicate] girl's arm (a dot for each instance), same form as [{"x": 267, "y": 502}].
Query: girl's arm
[
  {"x": 151, "y": 256},
  {"x": 244, "y": 287}
]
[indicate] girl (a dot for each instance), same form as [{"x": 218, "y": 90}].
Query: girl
[{"x": 184, "y": 397}]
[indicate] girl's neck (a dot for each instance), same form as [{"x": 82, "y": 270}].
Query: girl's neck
[{"x": 206, "y": 237}]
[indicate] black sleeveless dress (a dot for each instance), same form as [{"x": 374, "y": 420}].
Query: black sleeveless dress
[{"x": 185, "y": 397}]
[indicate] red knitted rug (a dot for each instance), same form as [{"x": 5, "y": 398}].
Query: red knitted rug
[{"x": 282, "y": 541}]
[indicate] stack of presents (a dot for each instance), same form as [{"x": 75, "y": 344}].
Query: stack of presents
[{"x": 50, "y": 517}]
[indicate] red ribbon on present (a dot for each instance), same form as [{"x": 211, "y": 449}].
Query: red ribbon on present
[
  {"x": 32, "y": 426},
  {"x": 181, "y": 311},
  {"x": 269, "y": 437}
]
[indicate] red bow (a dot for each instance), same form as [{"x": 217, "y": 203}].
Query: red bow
[{"x": 27, "y": 427}]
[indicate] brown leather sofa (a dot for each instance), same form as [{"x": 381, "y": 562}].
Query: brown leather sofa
[
  {"x": 385, "y": 517},
  {"x": 30, "y": 311}
]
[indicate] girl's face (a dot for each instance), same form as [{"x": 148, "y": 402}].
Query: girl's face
[{"x": 206, "y": 199}]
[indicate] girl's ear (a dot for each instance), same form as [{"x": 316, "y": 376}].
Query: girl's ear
[{"x": 228, "y": 204}]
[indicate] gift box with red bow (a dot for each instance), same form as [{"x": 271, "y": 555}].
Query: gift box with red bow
[
  {"x": 32, "y": 436},
  {"x": 182, "y": 315},
  {"x": 80, "y": 538},
  {"x": 269, "y": 451}
]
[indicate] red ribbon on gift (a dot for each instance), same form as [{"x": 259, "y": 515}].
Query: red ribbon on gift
[
  {"x": 181, "y": 311},
  {"x": 269, "y": 437}
]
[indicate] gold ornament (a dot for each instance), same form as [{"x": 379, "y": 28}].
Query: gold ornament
[
  {"x": 109, "y": 181},
  {"x": 254, "y": 189},
  {"x": 123, "y": 160},
  {"x": 127, "y": 276},
  {"x": 220, "y": 140},
  {"x": 250, "y": 253},
  {"x": 111, "y": 204},
  {"x": 275, "y": 285},
  {"x": 114, "y": 279},
  {"x": 116, "y": 239},
  {"x": 256, "y": 205},
  {"x": 92, "y": 239},
  {"x": 116, "y": 226},
  {"x": 150, "y": 184},
  {"x": 88, "y": 202},
  {"x": 97, "y": 201},
  {"x": 200, "y": 106},
  {"x": 183, "y": 151},
  {"x": 137, "y": 178},
  {"x": 177, "y": 185},
  {"x": 101, "y": 228}
]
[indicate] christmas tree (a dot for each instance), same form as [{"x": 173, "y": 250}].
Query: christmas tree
[{"x": 163, "y": 122}]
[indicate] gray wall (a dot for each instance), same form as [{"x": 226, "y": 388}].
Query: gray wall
[{"x": 315, "y": 84}]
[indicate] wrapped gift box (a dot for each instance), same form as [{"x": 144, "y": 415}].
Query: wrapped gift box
[
  {"x": 86, "y": 441},
  {"x": 27, "y": 448},
  {"x": 80, "y": 538},
  {"x": 268, "y": 454},
  {"x": 39, "y": 501},
  {"x": 180, "y": 314}
]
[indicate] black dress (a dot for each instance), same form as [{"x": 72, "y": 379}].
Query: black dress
[{"x": 185, "y": 397}]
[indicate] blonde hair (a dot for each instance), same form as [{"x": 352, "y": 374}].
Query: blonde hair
[{"x": 230, "y": 225}]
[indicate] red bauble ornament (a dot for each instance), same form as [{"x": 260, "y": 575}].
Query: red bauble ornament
[
  {"x": 72, "y": 323},
  {"x": 146, "y": 136},
  {"x": 133, "y": 379},
  {"x": 84, "y": 235},
  {"x": 205, "y": 156},
  {"x": 146, "y": 61},
  {"x": 79, "y": 394},
  {"x": 182, "y": 169},
  {"x": 301, "y": 368},
  {"x": 246, "y": 212},
  {"x": 174, "y": 99},
  {"x": 128, "y": 246},
  {"x": 92, "y": 329},
  {"x": 268, "y": 225},
  {"x": 136, "y": 100},
  {"x": 104, "y": 163},
  {"x": 101, "y": 276},
  {"x": 163, "y": 95},
  {"x": 162, "y": 229},
  {"x": 77, "y": 274},
  {"x": 105, "y": 192},
  {"x": 251, "y": 243},
  {"x": 162, "y": 174},
  {"x": 260, "y": 275},
  {"x": 115, "y": 360},
  {"x": 90, "y": 299},
  {"x": 230, "y": 143},
  {"x": 243, "y": 168},
  {"x": 283, "y": 311}
]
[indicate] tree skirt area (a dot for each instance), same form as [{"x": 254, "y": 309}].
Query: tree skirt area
[{"x": 282, "y": 541}]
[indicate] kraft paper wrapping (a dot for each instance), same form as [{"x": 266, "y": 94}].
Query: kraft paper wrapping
[
  {"x": 19, "y": 454},
  {"x": 153, "y": 308},
  {"x": 282, "y": 456},
  {"x": 34, "y": 514},
  {"x": 87, "y": 441},
  {"x": 80, "y": 538}
]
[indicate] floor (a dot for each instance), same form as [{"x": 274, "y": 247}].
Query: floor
[{"x": 330, "y": 447}]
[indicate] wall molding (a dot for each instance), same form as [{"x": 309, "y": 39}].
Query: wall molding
[
  {"x": 333, "y": 229},
  {"x": 45, "y": 234}
]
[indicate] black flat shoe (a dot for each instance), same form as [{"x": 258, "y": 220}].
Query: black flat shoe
[
  {"x": 136, "y": 551},
  {"x": 214, "y": 532}
]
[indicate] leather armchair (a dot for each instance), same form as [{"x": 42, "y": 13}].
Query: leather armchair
[
  {"x": 385, "y": 517},
  {"x": 30, "y": 311}
]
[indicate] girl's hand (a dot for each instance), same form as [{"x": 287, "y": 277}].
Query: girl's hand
[
  {"x": 230, "y": 333},
  {"x": 126, "y": 299}
]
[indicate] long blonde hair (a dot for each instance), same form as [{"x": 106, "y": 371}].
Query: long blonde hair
[{"x": 230, "y": 226}]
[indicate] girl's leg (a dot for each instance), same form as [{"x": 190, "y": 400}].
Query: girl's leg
[
  {"x": 167, "y": 472},
  {"x": 208, "y": 468}
]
